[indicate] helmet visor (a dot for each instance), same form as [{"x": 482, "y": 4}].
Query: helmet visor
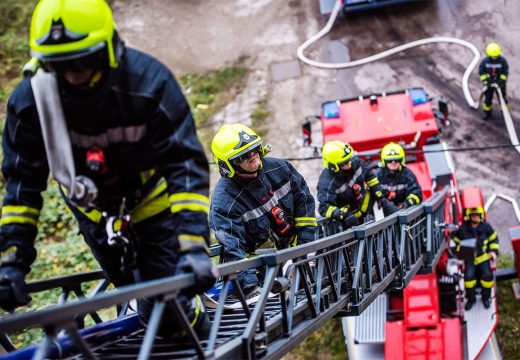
[
  {"x": 394, "y": 160},
  {"x": 91, "y": 61},
  {"x": 346, "y": 162},
  {"x": 238, "y": 159}
]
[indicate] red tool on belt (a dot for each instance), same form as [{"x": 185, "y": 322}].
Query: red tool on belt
[
  {"x": 280, "y": 220},
  {"x": 357, "y": 192}
]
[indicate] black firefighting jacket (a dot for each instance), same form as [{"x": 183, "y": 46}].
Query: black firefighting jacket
[
  {"x": 400, "y": 187},
  {"x": 352, "y": 189},
  {"x": 487, "y": 239},
  {"x": 241, "y": 213},
  {"x": 494, "y": 70},
  {"x": 141, "y": 121}
]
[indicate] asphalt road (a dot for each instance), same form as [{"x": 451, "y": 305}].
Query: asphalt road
[{"x": 197, "y": 36}]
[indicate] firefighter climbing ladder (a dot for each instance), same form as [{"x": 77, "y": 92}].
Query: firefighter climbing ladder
[{"x": 349, "y": 270}]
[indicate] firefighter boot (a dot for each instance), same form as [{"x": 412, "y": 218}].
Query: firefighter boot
[
  {"x": 469, "y": 305},
  {"x": 486, "y": 115},
  {"x": 487, "y": 303}
]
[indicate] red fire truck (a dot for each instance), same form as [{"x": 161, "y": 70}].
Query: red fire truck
[{"x": 426, "y": 319}]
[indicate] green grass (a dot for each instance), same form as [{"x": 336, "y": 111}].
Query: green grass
[
  {"x": 508, "y": 330},
  {"x": 15, "y": 18},
  {"x": 327, "y": 343},
  {"x": 208, "y": 93}
]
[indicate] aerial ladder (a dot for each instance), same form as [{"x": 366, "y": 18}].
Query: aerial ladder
[{"x": 338, "y": 275}]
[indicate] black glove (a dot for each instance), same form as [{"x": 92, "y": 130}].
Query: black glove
[
  {"x": 198, "y": 263},
  {"x": 349, "y": 221},
  {"x": 12, "y": 277}
]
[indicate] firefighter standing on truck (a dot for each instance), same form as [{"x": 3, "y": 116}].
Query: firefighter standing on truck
[
  {"x": 486, "y": 250},
  {"x": 347, "y": 187},
  {"x": 493, "y": 70},
  {"x": 259, "y": 202},
  {"x": 132, "y": 133},
  {"x": 399, "y": 184}
]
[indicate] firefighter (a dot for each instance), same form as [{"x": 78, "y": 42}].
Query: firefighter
[
  {"x": 399, "y": 183},
  {"x": 486, "y": 250},
  {"x": 493, "y": 70},
  {"x": 132, "y": 134},
  {"x": 347, "y": 187},
  {"x": 259, "y": 202}
]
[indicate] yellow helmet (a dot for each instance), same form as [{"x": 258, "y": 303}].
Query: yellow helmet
[
  {"x": 230, "y": 144},
  {"x": 392, "y": 151},
  {"x": 470, "y": 211},
  {"x": 67, "y": 30},
  {"x": 492, "y": 49},
  {"x": 335, "y": 153}
]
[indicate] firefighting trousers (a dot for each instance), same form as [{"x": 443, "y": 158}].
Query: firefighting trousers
[
  {"x": 483, "y": 273},
  {"x": 487, "y": 105},
  {"x": 157, "y": 257}
]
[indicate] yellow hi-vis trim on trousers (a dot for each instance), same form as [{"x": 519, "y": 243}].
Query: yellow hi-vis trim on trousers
[
  {"x": 486, "y": 284},
  {"x": 487, "y": 107},
  {"x": 19, "y": 214},
  {"x": 470, "y": 284},
  {"x": 189, "y": 201}
]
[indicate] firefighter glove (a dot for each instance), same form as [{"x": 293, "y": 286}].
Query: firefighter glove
[
  {"x": 336, "y": 214},
  {"x": 198, "y": 263},
  {"x": 350, "y": 221},
  {"x": 13, "y": 289}
]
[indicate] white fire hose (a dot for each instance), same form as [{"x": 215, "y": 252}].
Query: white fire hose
[{"x": 392, "y": 51}]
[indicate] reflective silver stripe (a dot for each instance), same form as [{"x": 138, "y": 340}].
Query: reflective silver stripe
[
  {"x": 120, "y": 134},
  {"x": 352, "y": 181},
  {"x": 393, "y": 187},
  {"x": 261, "y": 210}
]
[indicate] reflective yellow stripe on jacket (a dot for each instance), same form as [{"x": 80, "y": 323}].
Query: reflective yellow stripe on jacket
[
  {"x": 189, "y": 201},
  {"x": 305, "y": 221},
  {"x": 480, "y": 259},
  {"x": 329, "y": 212},
  {"x": 373, "y": 182},
  {"x": 151, "y": 205},
  {"x": 413, "y": 199},
  {"x": 188, "y": 241},
  {"x": 19, "y": 214}
]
